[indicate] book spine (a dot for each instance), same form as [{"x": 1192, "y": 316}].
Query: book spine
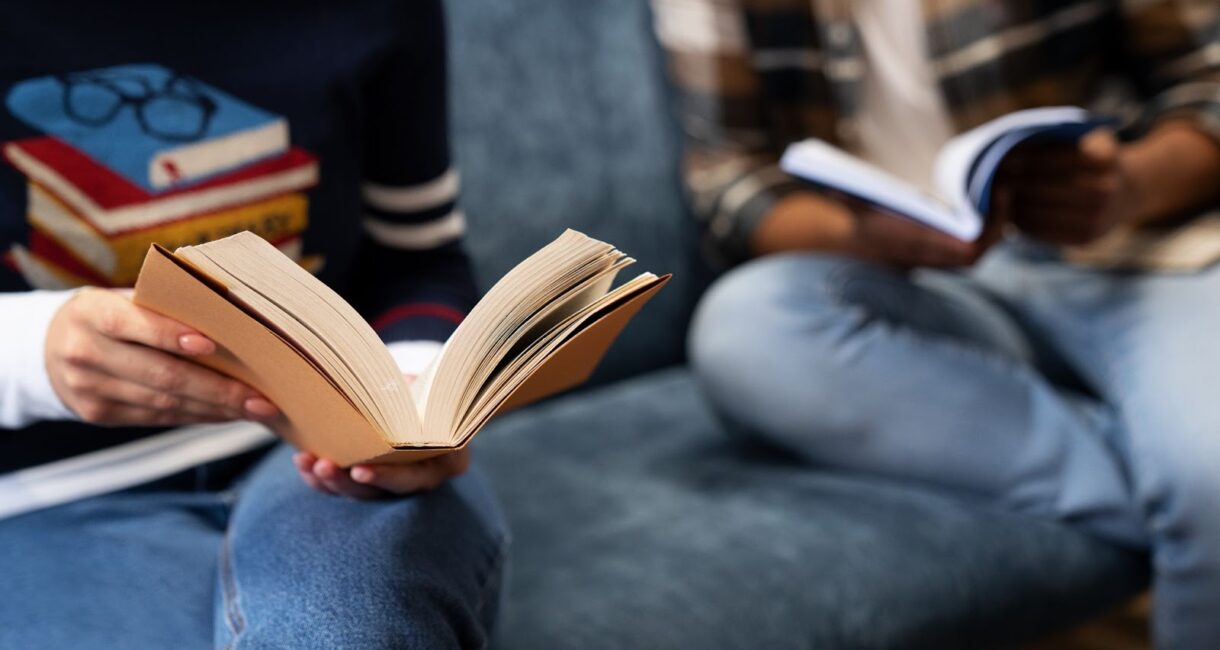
[
  {"x": 116, "y": 258},
  {"x": 195, "y": 162},
  {"x": 156, "y": 212}
]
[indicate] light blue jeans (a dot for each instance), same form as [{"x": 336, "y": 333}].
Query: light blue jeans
[
  {"x": 1085, "y": 396},
  {"x": 259, "y": 561}
]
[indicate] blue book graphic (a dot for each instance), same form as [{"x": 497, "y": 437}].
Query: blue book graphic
[{"x": 152, "y": 126}]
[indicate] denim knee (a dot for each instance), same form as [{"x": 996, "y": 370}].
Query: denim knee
[
  {"x": 1179, "y": 482},
  {"x": 765, "y": 308},
  {"x": 406, "y": 572}
]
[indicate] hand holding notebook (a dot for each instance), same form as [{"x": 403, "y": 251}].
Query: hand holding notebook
[{"x": 963, "y": 174}]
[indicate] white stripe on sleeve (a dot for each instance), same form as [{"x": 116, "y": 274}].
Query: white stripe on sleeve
[
  {"x": 414, "y": 198},
  {"x": 417, "y": 236}
]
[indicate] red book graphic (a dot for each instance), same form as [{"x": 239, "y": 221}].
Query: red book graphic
[
  {"x": 50, "y": 250},
  {"x": 112, "y": 204}
]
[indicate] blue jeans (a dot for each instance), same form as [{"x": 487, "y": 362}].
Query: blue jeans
[
  {"x": 1085, "y": 396},
  {"x": 254, "y": 559}
]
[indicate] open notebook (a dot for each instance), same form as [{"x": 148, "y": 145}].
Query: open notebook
[
  {"x": 540, "y": 330},
  {"x": 962, "y": 174}
]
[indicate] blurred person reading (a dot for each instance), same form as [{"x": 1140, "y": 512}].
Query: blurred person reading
[{"x": 1064, "y": 363}]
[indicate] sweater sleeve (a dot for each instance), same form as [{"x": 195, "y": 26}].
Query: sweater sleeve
[
  {"x": 412, "y": 280},
  {"x": 26, "y": 395}
]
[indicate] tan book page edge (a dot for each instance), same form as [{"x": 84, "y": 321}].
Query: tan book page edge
[
  {"x": 315, "y": 414},
  {"x": 305, "y": 333},
  {"x": 575, "y": 360},
  {"x": 281, "y": 321},
  {"x": 318, "y": 321},
  {"x": 588, "y": 291},
  {"x": 373, "y": 365},
  {"x": 524, "y": 361},
  {"x": 521, "y": 291}
]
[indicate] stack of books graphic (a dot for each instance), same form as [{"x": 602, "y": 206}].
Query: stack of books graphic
[{"x": 135, "y": 155}]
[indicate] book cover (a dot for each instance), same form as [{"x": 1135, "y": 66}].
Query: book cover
[
  {"x": 151, "y": 125},
  {"x": 316, "y": 414},
  {"x": 112, "y": 205}
]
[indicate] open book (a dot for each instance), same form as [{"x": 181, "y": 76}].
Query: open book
[
  {"x": 962, "y": 175},
  {"x": 540, "y": 330}
]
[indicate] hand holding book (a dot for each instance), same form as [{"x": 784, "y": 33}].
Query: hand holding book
[
  {"x": 378, "y": 481},
  {"x": 836, "y": 223},
  {"x": 1069, "y": 193},
  {"x": 964, "y": 175},
  {"x": 114, "y": 363},
  {"x": 540, "y": 330}
]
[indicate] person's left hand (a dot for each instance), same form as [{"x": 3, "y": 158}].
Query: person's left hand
[
  {"x": 379, "y": 481},
  {"x": 1069, "y": 194}
]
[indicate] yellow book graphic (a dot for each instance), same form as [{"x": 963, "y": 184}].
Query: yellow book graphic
[{"x": 117, "y": 257}]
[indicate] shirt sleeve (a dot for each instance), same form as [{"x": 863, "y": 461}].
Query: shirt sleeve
[
  {"x": 26, "y": 395},
  {"x": 412, "y": 279},
  {"x": 413, "y": 357},
  {"x": 1173, "y": 52},
  {"x": 731, "y": 161}
]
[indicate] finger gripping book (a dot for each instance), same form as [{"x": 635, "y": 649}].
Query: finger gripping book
[{"x": 540, "y": 330}]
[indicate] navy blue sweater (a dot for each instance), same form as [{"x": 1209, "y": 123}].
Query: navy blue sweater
[{"x": 319, "y": 125}]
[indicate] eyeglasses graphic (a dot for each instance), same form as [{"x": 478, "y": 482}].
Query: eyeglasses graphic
[{"x": 177, "y": 111}]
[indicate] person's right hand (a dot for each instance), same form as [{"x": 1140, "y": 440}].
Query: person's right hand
[
  {"x": 115, "y": 363},
  {"x": 836, "y": 223},
  {"x": 887, "y": 238}
]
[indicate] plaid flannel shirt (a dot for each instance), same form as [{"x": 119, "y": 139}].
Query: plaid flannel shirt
[{"x": 755, "y": 75}]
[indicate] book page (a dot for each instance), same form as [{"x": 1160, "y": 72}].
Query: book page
[
  {"x": 319, "y": 323},
  {"x": 513, "y": 342},
  {"x": 519, "y": 368},
  {"x": 541, "y": 329},
  {"x": 561, "y": 276},
  {"x": 544, "y": 319},
  {"x": 829, "y": 167},
  {"x": 277, "y": 304}
]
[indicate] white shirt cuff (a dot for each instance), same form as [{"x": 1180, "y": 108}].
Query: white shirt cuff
[
  {"x": 413, "y": 357},
  {"x": 26, "y": 395}
]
